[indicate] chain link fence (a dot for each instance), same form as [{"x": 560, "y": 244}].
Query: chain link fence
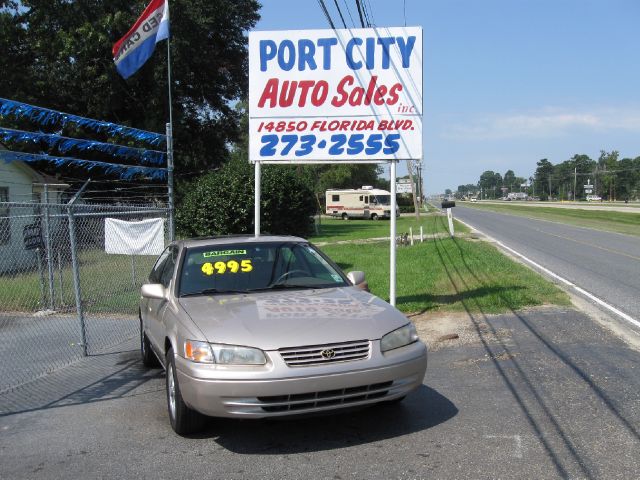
[{"x": 61, "y": 295}]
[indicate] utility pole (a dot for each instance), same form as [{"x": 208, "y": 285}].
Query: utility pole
[
  {"x": 413, "y": 191},
  {"x": 575, "y": 182}
]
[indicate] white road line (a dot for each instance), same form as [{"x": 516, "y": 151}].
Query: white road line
[{"x": 580, "y": 290}]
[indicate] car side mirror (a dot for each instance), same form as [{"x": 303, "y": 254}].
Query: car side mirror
[
  {"x": 153, "y": 290},
  {"x": 357, "y": 278}
]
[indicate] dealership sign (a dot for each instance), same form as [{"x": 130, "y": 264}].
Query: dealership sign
[{"x": 335, "y": 95}]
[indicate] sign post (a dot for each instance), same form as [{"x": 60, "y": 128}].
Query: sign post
[{"x": 336, "y": 96}]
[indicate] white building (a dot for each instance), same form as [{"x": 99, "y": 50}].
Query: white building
[{"x": 21, "y": 183}]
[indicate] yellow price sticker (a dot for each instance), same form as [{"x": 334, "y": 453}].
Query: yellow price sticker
[
  {"x": 231, "y": 266},
  {"x": 207, "y": 268}
]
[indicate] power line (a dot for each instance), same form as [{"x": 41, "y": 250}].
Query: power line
[
  {"x": 359, "y": 7},
  {"x": 326, "y": 13},
  {"x": 340, "y": 13},
  {"x": 365, "y": 9},
  {"x": 349, "y": 12}
]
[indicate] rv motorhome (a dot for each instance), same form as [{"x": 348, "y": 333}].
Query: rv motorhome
[{"x": 365, "y": 202}]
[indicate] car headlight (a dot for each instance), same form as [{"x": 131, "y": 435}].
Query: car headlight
[
  {"x": 399, "y": 338},
  {"x": 198, "y": 352},
  {"x": 235, "y": 355},
  {"x": 203, "y": 352}
]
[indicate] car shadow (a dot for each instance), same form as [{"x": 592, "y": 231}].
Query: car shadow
[{"x": 422, "y": 409}]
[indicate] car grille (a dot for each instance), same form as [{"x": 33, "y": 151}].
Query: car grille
[
  {"x": 343, "y": 396},
  {"x": 321, "y": 354}
]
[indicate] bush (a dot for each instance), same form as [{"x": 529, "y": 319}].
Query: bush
[
  {"x": 222, "y": 202},
  {"x": 407, "y": 209}
]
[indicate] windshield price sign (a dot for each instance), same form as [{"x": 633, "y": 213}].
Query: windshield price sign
[{"x": 335, "y": 95}]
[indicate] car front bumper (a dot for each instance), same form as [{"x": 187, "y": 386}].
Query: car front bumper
[{"x": 278, "y": 390}]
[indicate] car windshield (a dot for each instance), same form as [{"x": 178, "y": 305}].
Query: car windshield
[
  {"x": 250, "y": 267},
  {"x": 383, "y": 199}
]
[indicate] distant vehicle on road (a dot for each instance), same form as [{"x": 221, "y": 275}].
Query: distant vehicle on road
[
  {"x": 473, "y": 199},
  {"x": 517, "y": 196},
  {"x": 594, "y": 198},
  {"x": 366, "y": 202}
]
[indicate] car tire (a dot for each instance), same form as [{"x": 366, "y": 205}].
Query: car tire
[
  {"x": 183, "y": 419},
  {"x": 345, "y": 216},
  {"x": 374, "y": 216},
  {"x": 149, "y": 358}
]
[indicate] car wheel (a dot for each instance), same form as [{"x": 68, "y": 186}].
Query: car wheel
[
  {"x": 345, "y": 216},
  {"x": 183, "y": 419},
  {"x": 374, "y": 216},
  {"x": 149, "y": 359}
]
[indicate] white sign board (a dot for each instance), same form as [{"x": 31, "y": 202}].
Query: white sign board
[
  {"x": 403, "y": 188},
  {"x": 335, "y": 95}
]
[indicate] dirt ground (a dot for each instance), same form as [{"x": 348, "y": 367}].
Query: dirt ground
[{"x": 439, "y": 330}]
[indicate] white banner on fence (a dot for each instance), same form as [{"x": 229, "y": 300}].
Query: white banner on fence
[
  {"x": 144, "y": 237},
  {"x": 335, "y": 95}
]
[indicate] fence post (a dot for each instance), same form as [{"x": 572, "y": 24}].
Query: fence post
[
  {"x": 61, "y": 292},
  {"x": 76, "y": 278},
  {"x": 43, "y": 295},
  {"x": 47, "y": 246},
  {"x": 76, "y": 268}
]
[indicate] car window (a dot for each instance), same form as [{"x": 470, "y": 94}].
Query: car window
[
  {"x": 257, "y": 266},
  {"x": 167, "y": 270},
  {"x": 156, "y": 271}
]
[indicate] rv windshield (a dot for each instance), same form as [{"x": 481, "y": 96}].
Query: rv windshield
[{"x": 383, "y": 199}]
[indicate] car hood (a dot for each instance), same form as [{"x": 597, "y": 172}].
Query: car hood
[{"x": 272, "y": 320}]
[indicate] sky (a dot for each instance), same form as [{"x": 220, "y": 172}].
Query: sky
[{"x": 508, "y": 82}]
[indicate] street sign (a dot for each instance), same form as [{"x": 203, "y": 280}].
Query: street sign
[{"x": 403, "y": 187}]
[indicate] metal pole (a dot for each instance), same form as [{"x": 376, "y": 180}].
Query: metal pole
[
  {"x": 61, "y": 292},
  {"x": 133, "y": 270},
  {"x": 256, "y": 220},
  {"x": 413, "y": 190},
  {"x": 75, "y": 267},
  {"x": 575, "y": 182},
  {"x": 172, "y": 230},
  {"x": 43, "y": 295},
  {"x": 47, "y": 246},
  {"x": 392, "y": 251},
  {"x": 76, "y": 279}
]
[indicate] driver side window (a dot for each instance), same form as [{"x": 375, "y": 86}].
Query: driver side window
[
  {"x": 169, "y": 267},
  {"x": 156, "y": 271}
]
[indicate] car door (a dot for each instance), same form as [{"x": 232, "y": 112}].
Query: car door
[{"x": 155, "y": 307}]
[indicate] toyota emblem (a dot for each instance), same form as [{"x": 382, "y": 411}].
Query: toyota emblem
[{"x": 328, "y": 354}]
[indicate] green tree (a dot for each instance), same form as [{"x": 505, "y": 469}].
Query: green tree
[
  {"x": 543, "y": 177},
  {"x": 607, "y": 166},
  {"x": 509, "y": 180},
  {"x": 57, "y": 54}
]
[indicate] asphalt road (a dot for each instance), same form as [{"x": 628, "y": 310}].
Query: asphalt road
[
  {"x": 604, "y": 264},
  {"x": 541, "y": 394}
]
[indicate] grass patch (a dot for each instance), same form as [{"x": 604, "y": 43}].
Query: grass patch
[
  {"x": 333, "y": 230},
  {"x": 449, "y": 275},
  {"x": 611, "y": 221},
  {"x": 105, "y": 280}
]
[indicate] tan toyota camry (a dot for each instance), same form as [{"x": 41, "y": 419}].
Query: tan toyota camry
[{"x": 253, "y": 327}]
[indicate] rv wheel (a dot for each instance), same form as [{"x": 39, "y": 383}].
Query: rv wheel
[
  {"x": 345, "y": 216},
  {"x": 374, "y": 216}
]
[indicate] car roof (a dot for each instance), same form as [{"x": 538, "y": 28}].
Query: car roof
[{"x": 234, "y": 239}]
